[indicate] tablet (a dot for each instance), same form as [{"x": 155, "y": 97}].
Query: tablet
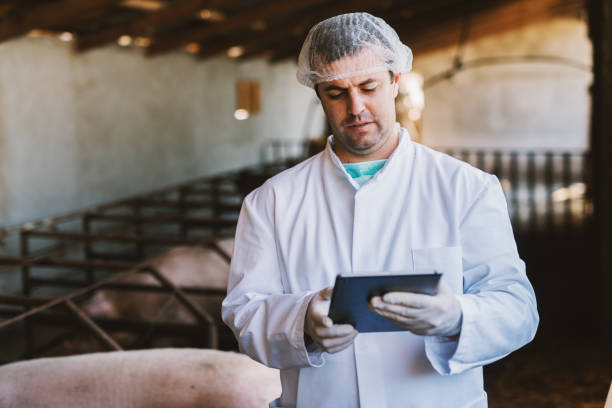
[{"x": 349, "y": 303}]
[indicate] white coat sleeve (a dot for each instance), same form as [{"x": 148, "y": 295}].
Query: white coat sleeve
[
  {"x": 268, "y": 323},
  {"x": 498, "y": 302}
]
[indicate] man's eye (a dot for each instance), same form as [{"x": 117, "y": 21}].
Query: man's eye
[
  {"x": 369, "y": 89},
  {"x": 334, "y": 95}
]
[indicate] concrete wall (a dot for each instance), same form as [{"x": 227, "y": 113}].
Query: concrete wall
[
  {"x": 526, "y": 105},
  {"x": 77, "y": 130}
]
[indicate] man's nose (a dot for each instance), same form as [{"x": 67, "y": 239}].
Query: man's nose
[{"x": 355, "y": 104}]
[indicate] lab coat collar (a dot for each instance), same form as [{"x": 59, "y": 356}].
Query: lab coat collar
[{"x": 403, "y": 148}]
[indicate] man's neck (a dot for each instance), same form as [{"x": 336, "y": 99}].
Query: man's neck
[{"x": 383, "y": 153}]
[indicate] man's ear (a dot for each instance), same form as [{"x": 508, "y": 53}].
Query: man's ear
[{"x": 395, "y": 84}]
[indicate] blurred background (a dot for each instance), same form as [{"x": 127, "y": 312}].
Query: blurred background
[{"x": 131, "y": 127}]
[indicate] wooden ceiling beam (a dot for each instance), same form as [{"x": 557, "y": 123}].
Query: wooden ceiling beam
[
  {"x": 271, "y": 46},
  {"x": 272, "y": 33},
  {"x": 437, "y": 28},
  {"x": 48, "y": 14},
  {"x": 90, "y": 20},
  {"x": 489, "y": 22},
  {"x": 217, "y": 45},
  {"x": 261, "y": 42},
  {"x": 423, "y": 13},
  {"x": 288, "y": 50},
  {"x": 6, "y": 8},
  {"x": 199, "y": 34},
  {"x": 176, "y": 12}
]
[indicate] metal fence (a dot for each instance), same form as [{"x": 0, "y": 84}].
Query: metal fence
[
  {"x": 59, "y": 263},
  {"x": 546, "y": 190},
  {"x": 71, "y": 257}
]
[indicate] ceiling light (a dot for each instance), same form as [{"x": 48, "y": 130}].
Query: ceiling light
[
  {"x": 124, "y": 41},
  {"x": 235, "y": 52},
  {"x": 142, "y": 41},
  {"x": 211, "y": 15},
  {"x": 248, "y": 99},
  {"x": 193, "y": 48},
  {"x": 41, "y": 33},
  {"x": 148, "y": 5},
  {"x": 66, "y": 36},
  {"x": 241, "y": 114}
]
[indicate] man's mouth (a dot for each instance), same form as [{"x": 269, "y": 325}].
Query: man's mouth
[{"x": 359, "y": 126}]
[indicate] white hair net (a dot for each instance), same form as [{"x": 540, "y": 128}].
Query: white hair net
[{"x": 348, "y": 45}]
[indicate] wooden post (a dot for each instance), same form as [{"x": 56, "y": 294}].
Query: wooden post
[{"x": 600, "y": 31}]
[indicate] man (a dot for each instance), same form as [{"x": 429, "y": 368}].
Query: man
[{"x": 375, "y": 202}]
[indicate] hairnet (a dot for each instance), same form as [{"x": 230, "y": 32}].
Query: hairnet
[{"x": 323, "y": 53}]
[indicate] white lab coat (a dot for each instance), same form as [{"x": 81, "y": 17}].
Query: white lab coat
[{"x": 423, "y": 209}]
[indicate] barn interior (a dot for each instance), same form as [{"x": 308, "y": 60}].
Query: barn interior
[{"x": 131, "y": 131}]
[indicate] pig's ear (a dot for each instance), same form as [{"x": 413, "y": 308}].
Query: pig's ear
[{"x": 99, "y": 305}]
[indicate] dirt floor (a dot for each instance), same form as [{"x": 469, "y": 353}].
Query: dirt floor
[{"x": 551, "y": 374}]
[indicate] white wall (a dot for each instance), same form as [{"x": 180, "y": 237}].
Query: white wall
[
  {"x": 77, "y": 130},
  {"x": 527, "y": 105}
]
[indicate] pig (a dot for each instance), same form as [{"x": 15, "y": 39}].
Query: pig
[
  {"x": 183, "y": 266},
  {"x": 140, "y": 379}
]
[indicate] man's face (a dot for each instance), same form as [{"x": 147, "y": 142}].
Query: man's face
[{"x": 360, "y": 111}]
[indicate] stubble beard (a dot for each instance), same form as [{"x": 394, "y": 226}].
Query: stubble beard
[{"x": 353, "y": 145}]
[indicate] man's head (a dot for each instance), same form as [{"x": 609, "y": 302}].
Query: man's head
[
  {"x": 354, "y": 61},
  {"x": 323, "y": 53}
]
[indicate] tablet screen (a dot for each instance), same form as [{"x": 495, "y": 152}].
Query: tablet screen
[{"x": 351, "y": 295}]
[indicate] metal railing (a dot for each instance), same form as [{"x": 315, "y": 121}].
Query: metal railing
[
  {"x": 95, "y": 249},
  {"x": 546, "y": 189}
]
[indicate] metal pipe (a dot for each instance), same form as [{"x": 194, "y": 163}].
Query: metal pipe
[
  {"x": 100, "y": 334},
  {"x": 127, "y": 286},
  {"x": 55, "y": 318},
  {"x": 86, "y": 247},
  {"x": 159, "y": 219},
  {"x": 25, "y": 270},
  {"x": 201, "y": 315},
  {"x": 121, "y": 237},
  {"x": 188, "y": 204},
  {"x": 72, "y": 295},
  {"x": 531, "y": 183},
  {"x": 65, "y": 263}
]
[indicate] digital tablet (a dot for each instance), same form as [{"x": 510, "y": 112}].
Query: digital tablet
[{"x": 349, "y": 303}]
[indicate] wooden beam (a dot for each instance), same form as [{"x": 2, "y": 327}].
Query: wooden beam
[
  {"x": 6, "y": 8},
  {"x": 174, "y": 13},
  {"x": 258, "y": 42},
  {"x": 290, "y": 49},
  {"x": 280, "y": 47},
  {"x": 486, "y": 22},
  {"x": 422, "y": 13},
  {"x": 48, "y": 14},
  {"x": 217, "y": 45},
  {"x": 428, "y": 29},
  {"x": 94, "y": 19},
  {"x": 600, "y": 32},
  {"x": 235, "y": 22}
]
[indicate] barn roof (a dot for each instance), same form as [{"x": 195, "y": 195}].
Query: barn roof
[{"x": 254, "y": 28}]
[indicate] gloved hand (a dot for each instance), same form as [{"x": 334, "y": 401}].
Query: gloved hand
[
  {"x": 437, "y": 315},
  {"x": 329, "y": 336}
]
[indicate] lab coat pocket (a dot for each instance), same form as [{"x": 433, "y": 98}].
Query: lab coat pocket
[{"x": 445, "y": 260}]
